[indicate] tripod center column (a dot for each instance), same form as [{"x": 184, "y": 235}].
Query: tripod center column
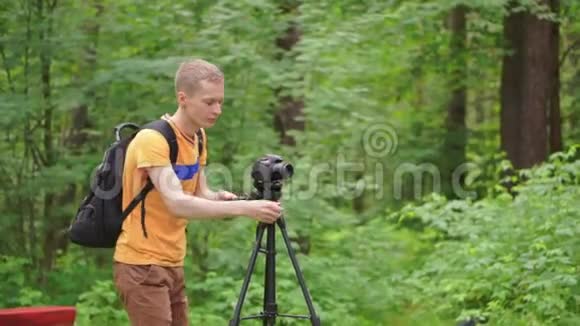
[{"x": 270, "y": 306}]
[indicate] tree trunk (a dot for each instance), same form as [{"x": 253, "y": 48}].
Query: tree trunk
[
  {"x": 290, "y": 114},
  {"x": 571, "y": 54},
  {"x": 555, "y": 117},
  {"x": 27, "y": 164},
  {"x": 77, "y": 136},
  {"x": 290, "y": 110},
  {"x": 511, "y": 86},
  {"x": 456, "y": 137},
  {"x": 44, "y": 17},
  {"x": 527, "y": 84}
]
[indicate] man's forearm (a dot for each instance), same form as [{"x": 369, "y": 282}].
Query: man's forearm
[
  {"x": 210, "y": 194},
  {"x": 193, "y": 207}
]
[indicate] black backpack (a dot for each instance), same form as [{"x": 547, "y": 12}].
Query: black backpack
[{"x": 98, "y": 221}]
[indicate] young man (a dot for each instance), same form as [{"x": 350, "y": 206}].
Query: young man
[{"x": 148, "y": 271}]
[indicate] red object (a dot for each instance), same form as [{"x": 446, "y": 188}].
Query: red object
[{"x": 38, "y": 316}]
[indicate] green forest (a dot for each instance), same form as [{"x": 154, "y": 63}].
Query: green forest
[{"x": 435, "y": 145}]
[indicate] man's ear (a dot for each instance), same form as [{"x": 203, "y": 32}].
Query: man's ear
[{"x": 181, "y": 97}]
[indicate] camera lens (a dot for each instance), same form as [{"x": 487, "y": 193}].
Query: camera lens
[
  {"x": 288, "y": 169},
  {"x": 282, "y": 171}
]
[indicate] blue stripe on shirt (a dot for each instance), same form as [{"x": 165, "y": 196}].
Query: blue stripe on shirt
[{"x": 186, "y": 172}]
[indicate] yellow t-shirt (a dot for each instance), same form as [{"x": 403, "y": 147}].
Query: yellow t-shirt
[{"x": 165, "y": 244}]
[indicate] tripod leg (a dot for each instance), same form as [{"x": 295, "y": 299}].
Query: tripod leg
[
  {"x": 235, "y": 321},
  {"x": 314, "y": 319},
  {"x": 270, "y": 306}
]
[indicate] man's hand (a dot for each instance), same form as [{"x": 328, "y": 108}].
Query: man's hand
[
  {"x": 265, "y": 211},
  {"x": 226, "y": 195}
]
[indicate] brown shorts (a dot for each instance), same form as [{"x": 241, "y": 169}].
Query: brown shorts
[{"x": 152, "y": 295}]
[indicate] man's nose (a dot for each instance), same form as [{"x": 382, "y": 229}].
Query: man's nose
[{"x": 219, "y": 108}]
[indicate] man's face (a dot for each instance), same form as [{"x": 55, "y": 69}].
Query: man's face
[{"x": 204, "y": 106}]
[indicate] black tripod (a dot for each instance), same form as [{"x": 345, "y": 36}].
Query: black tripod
[{"x": 270, "y": 312}]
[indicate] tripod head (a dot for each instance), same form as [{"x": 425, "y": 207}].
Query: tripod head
[{"x": 269, "y": 174}]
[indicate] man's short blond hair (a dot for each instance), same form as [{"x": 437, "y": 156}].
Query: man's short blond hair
[{"x": 191, "y": 72}]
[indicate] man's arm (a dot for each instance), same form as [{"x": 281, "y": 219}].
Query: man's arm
[
  {"x": 192, "y": 207},
  {"x": 204, "y": 191}
]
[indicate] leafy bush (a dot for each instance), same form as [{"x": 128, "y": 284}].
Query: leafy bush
[
  {"x": 15, "y": 287},
  {"x": 502, "y": 257},
  {"x": 100, "y": 306}
]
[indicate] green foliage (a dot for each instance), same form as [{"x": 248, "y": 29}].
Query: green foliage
[
  {"x": 100, "y": 306},
  {"x": 501, "y": 256},
  {"x": 15, "y": 286}
]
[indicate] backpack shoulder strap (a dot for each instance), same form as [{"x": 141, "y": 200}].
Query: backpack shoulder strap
[
  {"x": 200, "y": 133},
  {"x": 163, "y": 127}
]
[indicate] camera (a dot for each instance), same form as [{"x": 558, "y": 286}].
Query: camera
[{"x": 269, "y": 174}]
